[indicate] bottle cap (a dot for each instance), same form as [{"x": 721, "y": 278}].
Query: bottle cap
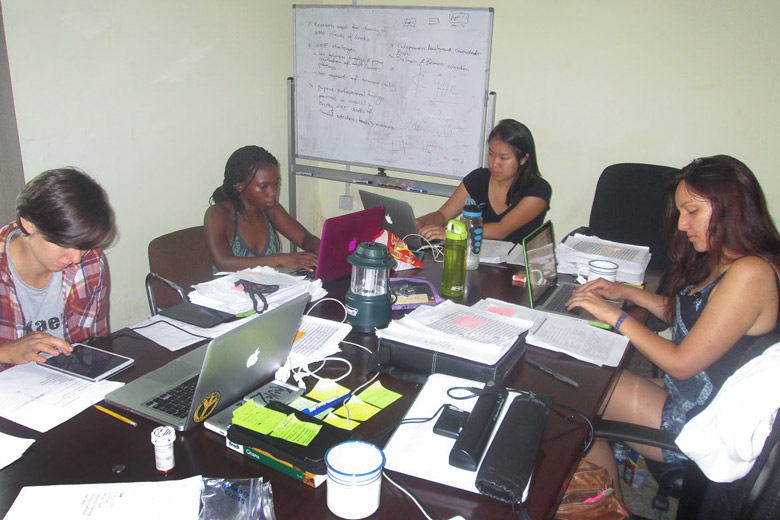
[
  {"x": 163, "y": 436},
  {"x": 456, "y": 230},
  {"x": 471, "y": 208}
]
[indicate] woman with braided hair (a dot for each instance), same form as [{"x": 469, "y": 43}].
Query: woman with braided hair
[{"x": 242, "y": 222}]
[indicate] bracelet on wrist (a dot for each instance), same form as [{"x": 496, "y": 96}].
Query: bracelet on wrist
[{"x": 620, "y": 321}]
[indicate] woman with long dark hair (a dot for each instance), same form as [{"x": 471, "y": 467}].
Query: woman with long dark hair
[
  {"x": 721, "y": 294},
  {"x": 242, "y": 223},
  {"x": 512, "y": 192}
]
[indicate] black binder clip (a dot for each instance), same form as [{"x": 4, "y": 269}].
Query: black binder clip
[{"x": 257, "y": 292}]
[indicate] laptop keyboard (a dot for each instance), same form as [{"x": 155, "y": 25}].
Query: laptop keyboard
[
  {"x": 177, "y": 400},
  {"x": 560, "y": 296}
]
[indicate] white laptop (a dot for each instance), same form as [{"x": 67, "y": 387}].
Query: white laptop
[{"x": 189, "y": 389}]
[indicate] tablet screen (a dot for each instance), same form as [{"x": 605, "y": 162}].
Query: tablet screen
[{"x": 89, "y": 362}]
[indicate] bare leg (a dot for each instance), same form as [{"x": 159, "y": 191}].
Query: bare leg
[{"x": 635, "y": 400}]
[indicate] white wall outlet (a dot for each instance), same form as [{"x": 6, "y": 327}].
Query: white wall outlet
[{"x": 345, "y": 202}]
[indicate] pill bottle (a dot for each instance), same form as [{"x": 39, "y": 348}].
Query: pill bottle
[{"x": 162, "y": 439}]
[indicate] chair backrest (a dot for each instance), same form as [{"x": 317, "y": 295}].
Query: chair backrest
[
  {"x": 629, "y": 207},
  {"x": 181, "y": 257}
]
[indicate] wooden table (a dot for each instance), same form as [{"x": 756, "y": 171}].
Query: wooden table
[{"x": 93, "y": 447}]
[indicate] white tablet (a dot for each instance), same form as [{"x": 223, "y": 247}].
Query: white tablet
[{"x": 88, "y": 362}]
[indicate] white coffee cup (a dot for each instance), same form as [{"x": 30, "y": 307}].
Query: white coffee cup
[
  {"x": 354, "y": 479},
  {"x": 598, "y": 269}
]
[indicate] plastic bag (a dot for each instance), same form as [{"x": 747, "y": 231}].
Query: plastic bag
[
  {"x": 399, "y": 251},
  {"x": 236, "y": 499}
]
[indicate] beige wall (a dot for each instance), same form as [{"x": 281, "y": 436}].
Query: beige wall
[{"x": 151, "y": 97}]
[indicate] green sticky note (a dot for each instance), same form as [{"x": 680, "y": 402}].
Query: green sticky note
[
  {"x": 358, "y": 410},
  {"x": 340, "y": 422},
  {"x": 326, "y": 389},
  {"x": 302, "y": 404},
  {"x": 379, "y": 396},
  {"x": 257, "y": 418},
  {"x": 294, "y": 430}
]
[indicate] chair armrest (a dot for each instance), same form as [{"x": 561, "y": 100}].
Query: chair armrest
[
  {"x": 150, "y": 293},
  {"x": 582, "y": 230},
  {"x": 627, "y": 432}
]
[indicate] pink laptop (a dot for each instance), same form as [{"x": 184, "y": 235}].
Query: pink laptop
[{"x": 340, "y": 236}]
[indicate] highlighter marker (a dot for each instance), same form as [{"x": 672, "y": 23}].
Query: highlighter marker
[{"x": 600, "y": 325}]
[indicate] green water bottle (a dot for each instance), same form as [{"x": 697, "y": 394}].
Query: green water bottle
[{"x": 453, "y": 276}]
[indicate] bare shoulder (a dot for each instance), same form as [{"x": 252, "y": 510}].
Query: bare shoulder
[
  {"x": 751, "y": 269},
  {"x": 217, "y": 214}
]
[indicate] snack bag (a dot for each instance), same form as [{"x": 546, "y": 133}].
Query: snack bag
[{"x": 399, "y": 250}]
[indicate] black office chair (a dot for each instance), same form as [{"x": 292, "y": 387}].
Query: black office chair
[
  {"x": 755, "y": 496},
  {"x": 629, "y": 207},
  {"x": 177, "y": 261}
]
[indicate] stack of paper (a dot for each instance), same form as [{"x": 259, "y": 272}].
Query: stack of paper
[
  {"x": 499, "y": 251},
  {"x": 576, "y": 251},
  {"x": 559, "y": 333},
  {"x": 222, "y": 293},
  {"x": 317, "y": 338},
  {"x": 457, "y": 330}
]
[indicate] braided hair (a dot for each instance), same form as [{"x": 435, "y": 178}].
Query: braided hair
[{"x": 241, "y": 166}]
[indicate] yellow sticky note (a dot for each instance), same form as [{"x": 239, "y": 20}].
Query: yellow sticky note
[
  {"x": 339, "y": 422},
  {"x": 301, "y": 403},
  {"x": 258, "y": 418},
  {"x": 379, "y": 396},
  {"x": 326, "y": 389},
  {"x": 294, "y": 430},
  {"x": 358, "y": 409}
]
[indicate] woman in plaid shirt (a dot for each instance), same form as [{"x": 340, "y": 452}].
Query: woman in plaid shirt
[{"x": 53, "y": 278}]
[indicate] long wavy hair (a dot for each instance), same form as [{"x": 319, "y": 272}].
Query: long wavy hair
[
  {"x": 241, "y": 166},
  {"x": 739, "y": 225},
  {"x": 519, "y": 138}
]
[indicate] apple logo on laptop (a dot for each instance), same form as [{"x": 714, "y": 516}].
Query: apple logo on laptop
[
  {"x": 352, "y": 244},
  {"x": 388, "y": 219},
  {"x": 253, "y": 357}
]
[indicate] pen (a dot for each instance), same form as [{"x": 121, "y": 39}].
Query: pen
[
  {"x": 550, "y": 371},
  {"x": 491, "y": 264},
  {"x": 600, "y": 325},
  {"x": 316, "y": 410},
  {"x": 306, "y": 174},
  {"x": 634, "y": 285},
  {"x": 117, "y": 416},
  {"x": 361, "y": 182}
]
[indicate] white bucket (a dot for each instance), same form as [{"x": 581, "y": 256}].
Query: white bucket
[{"x": 354, "y": 479}]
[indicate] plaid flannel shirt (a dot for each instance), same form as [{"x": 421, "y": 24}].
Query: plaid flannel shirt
[{"x": 84, "y": 288}]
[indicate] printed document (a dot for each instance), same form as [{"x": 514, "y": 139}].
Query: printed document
[
  {"x": 317, "y": 338},
  {"x": 457, "y": 330},
  {"x": 560, "y": 333},
  {"x": 12, "y": 448},
  {"x": 41, "y": 398},
  {"x": 171, "y": 500}
]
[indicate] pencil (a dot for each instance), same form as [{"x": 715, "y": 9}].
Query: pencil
[{"x": 117, "y": 416}]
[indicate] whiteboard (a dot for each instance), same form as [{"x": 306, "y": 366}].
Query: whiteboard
[{"x": 398, "y": 88}]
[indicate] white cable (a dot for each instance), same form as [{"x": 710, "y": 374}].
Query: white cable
[
  {"x": 412, "y": 497},
  {"x": 331, "y": 299},
  {"x": 358, "y": 346},
  {"x": 305, "y": 368}
]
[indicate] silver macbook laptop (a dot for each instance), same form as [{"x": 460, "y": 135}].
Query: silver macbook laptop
[
  {"x": 545, "y": 291},
  {"x": 189, "y": 389},
  {"x": 399, "y": 217}
]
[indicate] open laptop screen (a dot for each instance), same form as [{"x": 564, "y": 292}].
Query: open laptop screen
[{"x": 539, "y": 251}]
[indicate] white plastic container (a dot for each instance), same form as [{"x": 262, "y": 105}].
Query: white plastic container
[
  {"x": 162, "y": 439},
  {"x": 354, "y": 479}
]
